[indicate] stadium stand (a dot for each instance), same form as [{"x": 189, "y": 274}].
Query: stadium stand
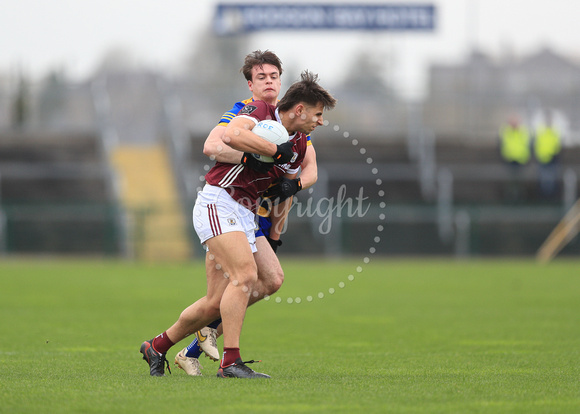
[
  {"x": 57, "y": 195},
  {"x": 448, "y": 197},
  {"x": 445, "y": 188},
  {"x": 149, "y": 191},
  {"x": 480, "y": 176}
]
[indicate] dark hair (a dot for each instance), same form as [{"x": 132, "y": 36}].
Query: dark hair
[
  {"x": 259, "y": 58},
  {"x": 308, "y": 91}
]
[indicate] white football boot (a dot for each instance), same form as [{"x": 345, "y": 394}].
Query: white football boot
[
  {"x": 207, "y": 339},
  {"x": 191, "y": 366}
]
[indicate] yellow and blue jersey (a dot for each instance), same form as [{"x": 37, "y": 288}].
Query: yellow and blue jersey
[{"x": 229, "y": 115}]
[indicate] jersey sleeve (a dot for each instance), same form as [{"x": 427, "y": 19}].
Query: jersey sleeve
[{"x": 229, "y": 115}]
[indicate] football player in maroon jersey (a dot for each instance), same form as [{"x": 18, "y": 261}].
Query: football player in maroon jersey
[{"x": 262, "y": 71}]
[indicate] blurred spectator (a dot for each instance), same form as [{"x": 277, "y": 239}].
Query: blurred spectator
[
  {"x": 515, "y": 149},
  {"x": 547, "y": 147},
  {"x": 515, "y": 142}
]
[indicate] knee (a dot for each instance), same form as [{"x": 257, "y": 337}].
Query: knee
[
  {"x": 213, "y": 309},
  {"x": 275, "y": 280},
  {"x": 245, "y": 275},
  {"x": 278, "y": 280},
  {"x": 205, "y": 308}
]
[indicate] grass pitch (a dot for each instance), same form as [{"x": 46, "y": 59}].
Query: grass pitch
[{"x": 397, "y": 336}]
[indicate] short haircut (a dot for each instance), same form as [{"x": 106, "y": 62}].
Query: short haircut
[
  {"x": 259, "y": 58},
  {"x": 308, "y": 91}
]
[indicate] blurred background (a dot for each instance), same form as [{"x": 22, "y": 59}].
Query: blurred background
[{"x": 459, "y": 120}]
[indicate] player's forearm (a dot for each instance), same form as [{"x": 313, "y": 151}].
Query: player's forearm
[
  {"x": 216, "y": 150},
  {"x": 308, "y": 177},
  {"x": 309, "y": 173},
  {"x": 279, "y": 215},
  {"x": 227, "y": 154},
  {"x": 239, "y": 136}
]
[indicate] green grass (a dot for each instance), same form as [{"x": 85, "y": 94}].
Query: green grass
[{"x": 405, "y": 336}]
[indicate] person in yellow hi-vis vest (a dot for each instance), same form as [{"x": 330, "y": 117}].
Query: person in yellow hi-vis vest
[
  {"x": 515, "y": 149},
  {"x": 515, "y": 142},
  {"x": 547, "y": 147}
]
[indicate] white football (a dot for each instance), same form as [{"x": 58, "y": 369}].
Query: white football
[{"x": 272, "y": 131}]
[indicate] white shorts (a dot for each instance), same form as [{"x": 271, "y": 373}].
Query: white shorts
[{"x": 216, "y": 212}]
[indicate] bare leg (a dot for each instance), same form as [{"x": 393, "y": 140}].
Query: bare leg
[
  {"x": 206, "y": 309},
  {"x": 233, "y": 256},
  {"x": 270, "y": 274}
]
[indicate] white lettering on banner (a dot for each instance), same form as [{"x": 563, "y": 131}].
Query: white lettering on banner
[
  {"x": 251, "y": 17},
  {"x": 381, "y": 18},
  {"x": 284, "y": 16}
]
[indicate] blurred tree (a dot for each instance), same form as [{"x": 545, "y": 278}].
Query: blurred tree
[
  {"x": 365, "y": 95},
  {"x": 117, "y": 59},
  {"x": 51, "y": 98},
  {"x": 366, "y": 75},
  {"x": 21, "y": 103},
  {"x": 214, "y": 66}
]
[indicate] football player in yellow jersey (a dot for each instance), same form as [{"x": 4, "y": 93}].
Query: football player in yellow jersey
[{"x": 262, "y": 70}]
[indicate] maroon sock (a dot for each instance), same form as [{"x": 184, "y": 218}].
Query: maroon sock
[
  {"x": 230, "y": 356},
  {"x": 162, "y": 343}
]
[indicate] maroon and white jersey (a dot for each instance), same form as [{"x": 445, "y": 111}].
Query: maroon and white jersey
[{"x": 244, "y": 184}]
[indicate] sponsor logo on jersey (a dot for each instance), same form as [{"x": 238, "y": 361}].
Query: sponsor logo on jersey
[{"x": 248, "y": 109}]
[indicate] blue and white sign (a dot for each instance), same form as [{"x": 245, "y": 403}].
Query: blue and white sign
[{"x": 244, "y": 18}]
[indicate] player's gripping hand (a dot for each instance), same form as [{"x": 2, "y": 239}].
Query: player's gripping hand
[
  {"x": 285, "y": 188},
  {"x": 284, "y": 153},
  {"x": 251, "y": 162},
  {"x": 274, "y": 244}
]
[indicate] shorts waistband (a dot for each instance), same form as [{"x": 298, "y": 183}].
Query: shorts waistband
[{"x": 211, "y": 189}]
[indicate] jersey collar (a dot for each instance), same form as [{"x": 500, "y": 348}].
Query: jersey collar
[{"x": 280, "y": 120}]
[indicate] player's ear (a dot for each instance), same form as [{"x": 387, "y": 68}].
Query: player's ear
[
  {"x": 250, "y": 86},
  {"x": 299, "y": 109}
]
